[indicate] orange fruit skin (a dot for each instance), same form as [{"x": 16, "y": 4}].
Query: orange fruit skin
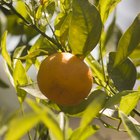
[{"x": 64, "y": 79}]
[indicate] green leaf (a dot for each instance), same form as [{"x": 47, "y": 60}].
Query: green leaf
[
  {"x": 131, "y": 128},
  {"x": 34, "y": 54},
  {"x": 128, "y": 42},
  {"x": 93, "y": 109},
  {"x": 123, "y": 75},
  {"x": 42, "y": 46},
  {"x": 19, "y": 74},
  {"x": 3, "y": 84},
  {"x": 21, "y": 8},
  {"x": 135, "y": 56},
  {"x": 4, "y": 51},
  {"x": 17, "y": 53},
  {"x": 84, "y": 135},
  {"x": 38, "y": 14},
  {"x": 96, "y": 68},
  {"x": 79, "y": 109},
  {"x": 129, "y": 102},
  {"x": 13, "y": 25},
  {"x": 65, "y": 5},
  {"x": 85, "y": 27},
  {"x": 62, "y": 26},
  {"x": 49, "y": 119},
  {"x": 33, "y": 90},
  {"x": 106, "y": 7},
  {"x": 117, "y": 98},
  {"x": 50, "y": 8},
  {"x": 21, "y": 125},
  {"x": 20, "y": 78},
  {"x": 60, "y": 19}
]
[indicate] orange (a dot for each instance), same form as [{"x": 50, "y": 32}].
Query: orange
[{"x": 64, "y": 79}]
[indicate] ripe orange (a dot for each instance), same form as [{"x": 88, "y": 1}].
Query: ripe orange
[{"x": 64, "y": 79}]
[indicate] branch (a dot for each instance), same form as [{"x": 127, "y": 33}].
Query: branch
[{"x": 33, "y": 26}]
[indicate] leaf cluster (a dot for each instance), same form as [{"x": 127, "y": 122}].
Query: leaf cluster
[{"x": 78, "y": 27}]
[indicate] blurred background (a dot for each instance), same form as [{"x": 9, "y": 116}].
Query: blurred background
[{"x": 127, "y": 10}]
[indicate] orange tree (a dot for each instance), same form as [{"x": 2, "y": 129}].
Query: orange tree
[{"x": 47, "y": 27}]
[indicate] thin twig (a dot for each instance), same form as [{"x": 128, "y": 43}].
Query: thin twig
[
  {"x": 51, "y": 29},
  {"x": 136, "y": 112},
  {"x": 102, "y": 63}
]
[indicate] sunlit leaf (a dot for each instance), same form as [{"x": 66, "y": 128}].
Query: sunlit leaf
[
  {"x": 132, "y": 129},
  {"x": 84, "y": 135},
  {"x": 21, "y": 8},
  {"x": 95, "y": 68},
  {"x": 19, "y": 74},
  {"x": 41, "y": 46},
  {"x": 20, "y": 78},
  {"x": 93, "y": 109},
  {"x": 128, "y": 42},
  {"x": 129, "y": 102},
  {"x": 65, "y": 5},
  {"x": 85, "y": 27},
  {"x": 49, "y": 119},
  {"x": 39, "y": 12},
  {"x": 33, "y": 90},
  {"x": 34, "y": 54},
  {"x": 21, "y": 125},
  {"x": 59, "y": 22},
  {"x": 4, "y": 51},
  {"x": 62, "y": 26},
  {"x": 135, "y": 56},
  {"x": 106, "y": 7},
  {"x": 117, "y": 98},
  {"x": 123, "y": 75},
  {"x": 17, "y": 53}
]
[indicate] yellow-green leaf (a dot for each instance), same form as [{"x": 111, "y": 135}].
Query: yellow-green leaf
[
  {"x": 21, "y": 8},
  {"x": 128, "y": 42},
  {"x": 85, "y": 27},
  {"x": 123, "y": 75},
  {"x": 129, "y": 102},
  {"x": 20, "y": 78},
  {"x": 4, "y": 51},
  {"x": 106, "y": 7},
  {"x": 95, "y": 68},
  {"x": 131, "y": 128},
  {"x": 94, "y": 108},
  {"x": 84, "y": 135},
  {"x": 50, "y": 120},
  {"x": 19, "y": 126}
]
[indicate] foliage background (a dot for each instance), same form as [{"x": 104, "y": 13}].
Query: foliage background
[{"x": 11, "y": 106}]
